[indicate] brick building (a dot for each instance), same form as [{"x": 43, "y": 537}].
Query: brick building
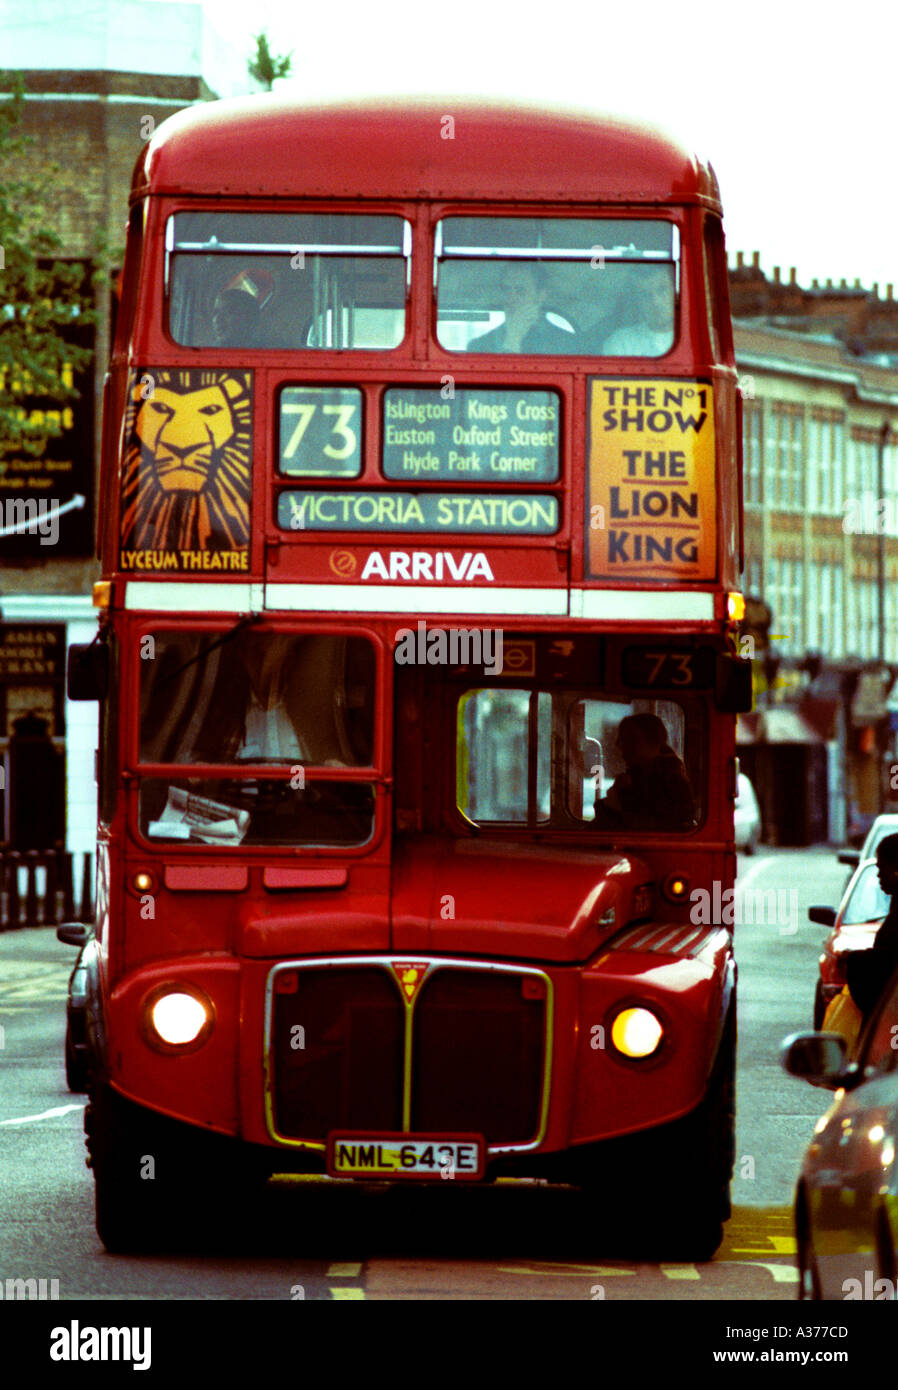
[
  {"x": 821, "y": 538},
  {"x": 98, "y": 78}
]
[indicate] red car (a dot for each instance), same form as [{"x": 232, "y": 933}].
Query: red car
[{"x": 854, "y": 925}]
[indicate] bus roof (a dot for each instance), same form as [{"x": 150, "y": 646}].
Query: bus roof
[{"x": 277, "y": 146}]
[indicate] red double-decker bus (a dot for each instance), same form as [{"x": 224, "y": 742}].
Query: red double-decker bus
[{"x": 417, "y": 668}]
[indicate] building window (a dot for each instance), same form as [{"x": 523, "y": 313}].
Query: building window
[
  {"x": 752, "y": 441},
  {"x": 788, "y": 433},
  {"x": 770, "y": 492},
  {"x": 815, "y": 489},
  {"x": 784, "y": 595},
  {"x": 825, "y": 440}
]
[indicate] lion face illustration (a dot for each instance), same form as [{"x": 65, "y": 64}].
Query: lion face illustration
[
  {"x": 185, "y": 434},
  {"x": 186, "y": 480}
]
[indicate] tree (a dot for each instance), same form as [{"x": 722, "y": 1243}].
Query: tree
[
  {"x": 265, "y": 67},
  {"x": 43, "y": 300}
]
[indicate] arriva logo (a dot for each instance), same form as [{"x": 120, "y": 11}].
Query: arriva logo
[{"x": 421, "y": 564}]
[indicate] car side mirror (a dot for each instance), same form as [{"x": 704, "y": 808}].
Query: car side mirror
[
  {"x": 73, "y": 933},
  {"x": 820, "y": 1058},
  {"x": 732, "y": 684},
  {"x": 88, "y": 671},
  {"x": 852, "y": 857},
  {"x": 826, "y": 916}
]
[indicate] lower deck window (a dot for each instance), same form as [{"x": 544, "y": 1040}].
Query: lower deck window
[
  {"x": 256, "y": 812},
  {"x": 566, "y": 759}
]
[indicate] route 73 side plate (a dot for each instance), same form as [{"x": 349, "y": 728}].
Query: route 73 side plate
[{"x": 416, "y": 1156}]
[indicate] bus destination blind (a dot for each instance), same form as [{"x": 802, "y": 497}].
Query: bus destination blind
[{"x": 473, "y": 435}]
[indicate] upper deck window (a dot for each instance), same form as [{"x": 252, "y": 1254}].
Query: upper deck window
[
  {"x": 557, "y": 286},
  {"x": 287, "y": 280}
]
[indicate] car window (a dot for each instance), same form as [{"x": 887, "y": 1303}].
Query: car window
[
  {"x": 880, "y": 828},
  {"x": 867, "y": 901}
]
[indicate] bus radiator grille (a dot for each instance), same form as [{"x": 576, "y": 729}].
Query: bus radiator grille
[{"x": 477, "y": 1043}]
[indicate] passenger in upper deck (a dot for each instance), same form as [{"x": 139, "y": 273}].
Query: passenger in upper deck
[
  {"x": 526, "y": 328},
  {"x": 648, "y": 309},
  {"x": 236, "y": 316},
  {"x": 654, "y": 792}
]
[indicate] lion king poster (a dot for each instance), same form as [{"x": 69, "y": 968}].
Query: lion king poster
[{"x": 186, "y": 475}]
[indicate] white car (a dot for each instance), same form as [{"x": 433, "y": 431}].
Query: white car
[
  {"x": 746, "y": 816},
  {"x": 884, "y": 825}
]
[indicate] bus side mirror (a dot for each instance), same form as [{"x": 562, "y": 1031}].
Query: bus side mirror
[
  {"x": 87, "y": 676},
  {"x": 732, "y": 684}
]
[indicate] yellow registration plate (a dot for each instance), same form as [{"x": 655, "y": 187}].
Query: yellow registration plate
[{"x": 417, "y": 1156}]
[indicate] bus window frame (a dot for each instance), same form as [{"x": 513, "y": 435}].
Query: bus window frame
[
  {"x": 676, "y": 216},
  {"x": 463, "y": 826},
  {"x": 170, "y": 207},
  {"x": 133, "y": 271},
  {"x": 377, "y": 774}
]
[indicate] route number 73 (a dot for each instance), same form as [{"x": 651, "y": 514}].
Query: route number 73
[
  {"x": 341, "y": 428},
  {"x": 682, "y": 673}
]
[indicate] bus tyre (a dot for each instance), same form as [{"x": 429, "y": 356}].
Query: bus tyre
[
  {"x": 695, "y": 1193},
  {"x": 674, "y": 1181},
  {"x": 133, "y": 1188}
]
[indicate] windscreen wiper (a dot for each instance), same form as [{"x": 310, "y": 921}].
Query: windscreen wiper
[{"x": 219, "y": 642}]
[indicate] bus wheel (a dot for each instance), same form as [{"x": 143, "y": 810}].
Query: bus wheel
[
  {"x": 162, "y": 1184},
  {"x": 696, "y": 1184},
  {"x": 675, "y": 1180},
  {"x": 134, "y": 1190}
]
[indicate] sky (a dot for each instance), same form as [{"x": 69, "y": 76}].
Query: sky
[{"x": 795, "y": 104}]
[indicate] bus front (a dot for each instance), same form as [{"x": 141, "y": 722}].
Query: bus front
[{"x": 418, "y": 725}]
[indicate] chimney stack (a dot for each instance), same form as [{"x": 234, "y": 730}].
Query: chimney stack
[
  {"x": 740, "y": 259},
  {"x": 875, "y": 289},
  {"x": 776, "y": 274},
  {"x": 792, "y": 275},
  {"x": 829, "y": 284},
  {"x": 756, "y": 260},
  {"x": 889, "y": 290},
  {"x": 815, "y": 284},
  {"x": 857, "y": 282},
  {"x": 843, "y": 283}
]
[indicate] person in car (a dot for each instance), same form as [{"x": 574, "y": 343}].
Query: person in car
[
  {"x": 654, "y": 792},
  {"x": 868, "y": 972}
]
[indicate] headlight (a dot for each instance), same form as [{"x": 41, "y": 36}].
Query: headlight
[
  {"x": 177, "y": 1018},
  {"x": 636, "y": 1032}
]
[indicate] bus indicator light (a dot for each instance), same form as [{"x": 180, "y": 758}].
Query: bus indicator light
[
  {"x": 735, "y": 607},
  {"x": 676, "y": 886}
]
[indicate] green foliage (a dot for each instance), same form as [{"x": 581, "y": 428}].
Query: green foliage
[
  {"x": 265, "y": 67},
  {"x": 43, "y": 300}
]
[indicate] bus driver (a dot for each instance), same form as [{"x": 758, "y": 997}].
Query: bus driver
[{"x": 654, "y": 792}]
